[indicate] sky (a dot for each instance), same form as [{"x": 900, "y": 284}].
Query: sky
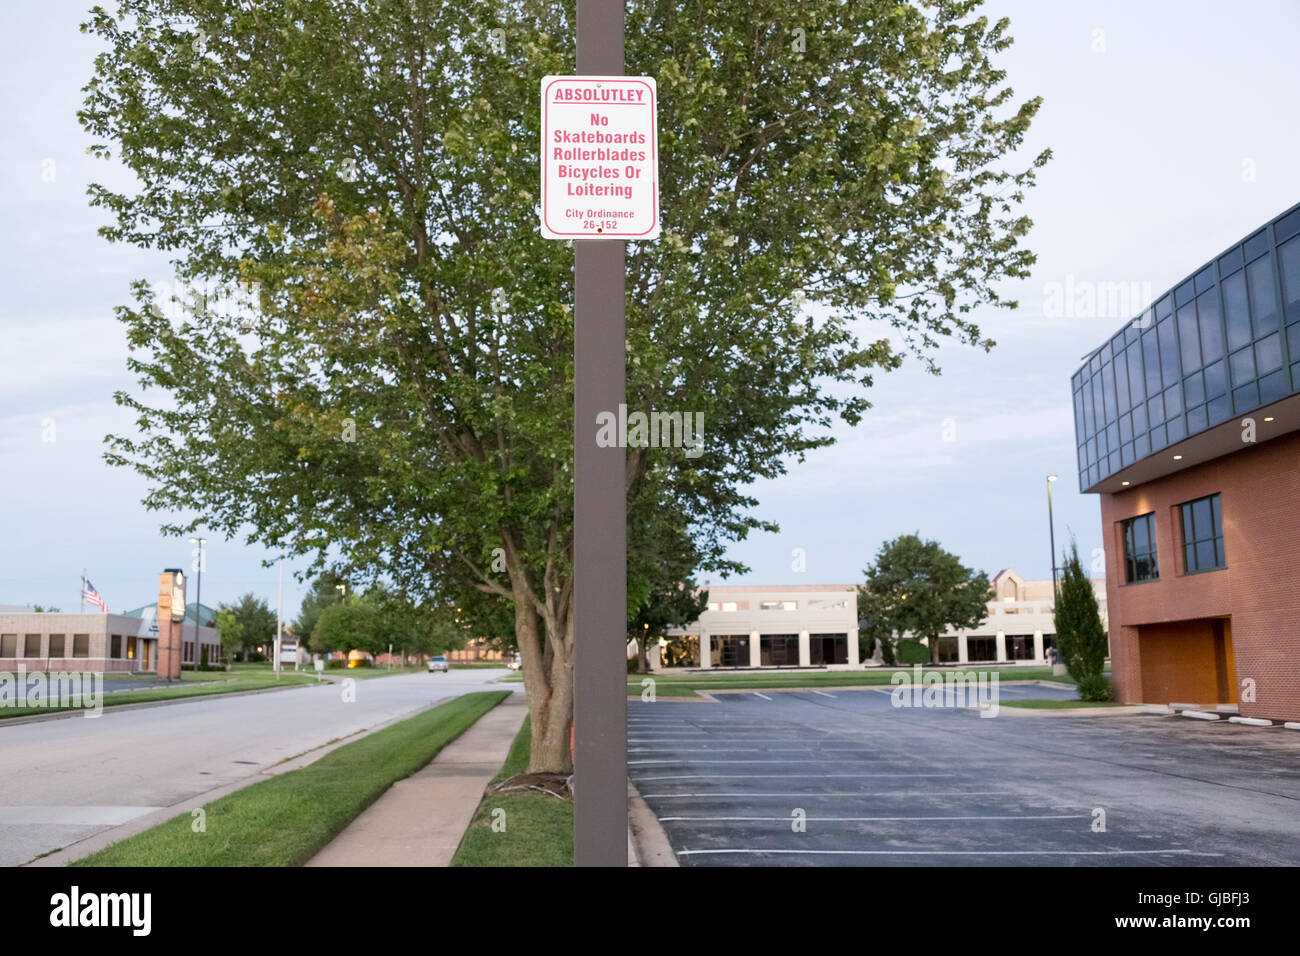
[{"x": 1172, "y": 127}]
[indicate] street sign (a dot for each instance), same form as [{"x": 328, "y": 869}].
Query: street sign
[{"x": 600, "y": 158}]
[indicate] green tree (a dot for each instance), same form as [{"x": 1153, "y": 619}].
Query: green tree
[
  {"x": 660, "y": 591},
  {"x": 324, "y": 591},
  {"x": 916, "y": 588},
  {"x": 394, "y": 385},
  {"x": 247, "y": 623},
  {"x": 352, "y": 624},
  {"x": 1080, "y": 637}
]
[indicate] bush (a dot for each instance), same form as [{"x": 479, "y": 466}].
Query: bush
[
  {"x": 336, "y": 665},
  {"x": 911, "y": 651},
  {"x": 1096, "y": 687},
  {"x": 634, "y": 665}
]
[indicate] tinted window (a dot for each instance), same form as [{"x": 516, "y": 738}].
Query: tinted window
[
  {"x": 1268, "y": 353},
  {"x": 1168, "y": 351},
  {"x": 1139, "y": 549},
  {"x": 1216, "y": 382},
  {"x": 1136, "y": 384},
  {"x": 1151, "y": 356},
  {"x": 1121, "y": 382},
  {"x": 1238, "y": 315},
  {"x": 1202, "y": 535},
  {"x": 1243, "y": 366},
  {"x": 1207, "y": 308},
  {"x": 1188, "y": 338},
  {"x": 1288, "y": 257},
  {"x": 1272, "y": 387},
  {"x": 1263, "y": 306}
]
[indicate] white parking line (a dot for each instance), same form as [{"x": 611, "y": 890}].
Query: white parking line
[
  {"x": 786, "y": 819},
  {"x": 824, "y": 694},
  {"x": 764, "y": 696},
  {"x": 804, "y": 795},
  {"x": 780, "y": 776},
  {"x": 780, "y": 760},
  {"x": 945, "y": 852}
]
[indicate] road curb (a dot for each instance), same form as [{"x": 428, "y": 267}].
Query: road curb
[{"x": 648, "y": 844}]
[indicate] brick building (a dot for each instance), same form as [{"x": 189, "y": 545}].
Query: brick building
[{"x": 1188, "y": 428}]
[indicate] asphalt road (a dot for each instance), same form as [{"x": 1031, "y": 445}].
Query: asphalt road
[
  {"x": 67, "y": 779},
  {"x": 734, "y": 783}
]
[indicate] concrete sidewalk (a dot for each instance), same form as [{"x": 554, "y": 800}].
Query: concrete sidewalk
[{"x": 419, "y": 821}]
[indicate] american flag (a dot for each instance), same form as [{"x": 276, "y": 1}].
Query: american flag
[{"x": 91, "y": 596}]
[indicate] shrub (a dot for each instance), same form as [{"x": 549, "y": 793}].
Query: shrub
[
  {"x": 1079, "y": 635},
  {"x": 1096, "y": 687},
  {"x": 911, "y": 651}
]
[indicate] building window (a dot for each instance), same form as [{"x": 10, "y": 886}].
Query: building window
[
  {"x": 1140, "y": 549},
  {"x": 130, "y": 648},
  {"x": 32, "y": 645},
  {"x": 828, "y": 649},
  {"x": 8, "y": 645},
  {"x": 779, "y": 650},
  {"x": 777, "y": 605},
  {"x": 80, "y": 645},
  {"x": 1020, "y": 647},
  {"x": 1203, "y": 535},
  {"x": 56, "y": 645},
  {"x": 116, "y": 652}
]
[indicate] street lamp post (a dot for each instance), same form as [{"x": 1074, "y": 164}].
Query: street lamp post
[
  {"x": 198, "y": 599},
  {"x": 1051, "y": 531},
  {"x": 279, "y": 608}
]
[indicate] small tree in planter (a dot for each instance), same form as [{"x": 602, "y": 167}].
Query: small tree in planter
[{"x": 1080, "y": 637}]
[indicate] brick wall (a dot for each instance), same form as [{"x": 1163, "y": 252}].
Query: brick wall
[{"x": 1259, "y": 489}]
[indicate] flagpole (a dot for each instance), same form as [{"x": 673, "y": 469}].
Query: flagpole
[{"x": 82, "y": 608}]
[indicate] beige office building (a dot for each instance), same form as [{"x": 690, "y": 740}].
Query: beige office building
[
  {"x": 109, "y": 643},
  {"x": 798, "y": 625}
]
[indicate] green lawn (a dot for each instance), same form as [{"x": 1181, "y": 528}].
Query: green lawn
[
  {"x": 539, "y": 828},
  {"x": 201, "y": 684},
  {"x": 686, "y": 685},
  {"x": 1057, "y": 704},
  {"x": 285, "y": 820}
]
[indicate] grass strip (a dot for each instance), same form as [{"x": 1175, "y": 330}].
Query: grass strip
[
  {"x": 1057, "y": 704},
  {"x": 203, "y": 685},
  {"x": 285, "y": 820},
  {"x": 685, "y": 685},
  {"x": 539, "y": 828}
]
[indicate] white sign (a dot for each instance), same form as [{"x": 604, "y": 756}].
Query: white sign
[{"x": 600, "y": 158}]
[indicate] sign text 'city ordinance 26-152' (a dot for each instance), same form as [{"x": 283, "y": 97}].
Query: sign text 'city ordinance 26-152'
[{"x": 600, "y": 158}]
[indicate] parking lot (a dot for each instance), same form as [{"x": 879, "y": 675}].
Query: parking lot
[{"x": 844, "y": 778}]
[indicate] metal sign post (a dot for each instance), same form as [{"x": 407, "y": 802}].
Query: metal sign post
[{"x": 600, "y": 509}]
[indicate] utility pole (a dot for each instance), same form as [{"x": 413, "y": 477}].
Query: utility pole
[
  {"x": 279, "y": 607},
  {"x": 198, "y": 604},
  {"x": 600, "y": 508},
  {"x": 1051, "y": 532}
]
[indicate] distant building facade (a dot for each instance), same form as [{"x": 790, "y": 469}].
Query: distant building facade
[
  {"x": 1019, "y": 628},
  {"x": 779, "y": 626}
]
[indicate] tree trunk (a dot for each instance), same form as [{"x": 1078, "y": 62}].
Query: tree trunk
[
  {"x": 643, "y": 655},
  {"x": 548, "y": 682}
]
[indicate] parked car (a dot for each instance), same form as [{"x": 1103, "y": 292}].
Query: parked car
[
  {"x": 516, "y": 662},
  {"x": 438, "y": 663}
]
